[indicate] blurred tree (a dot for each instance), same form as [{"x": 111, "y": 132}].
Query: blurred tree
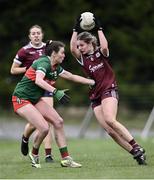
[{"x": 128, "y": 25}]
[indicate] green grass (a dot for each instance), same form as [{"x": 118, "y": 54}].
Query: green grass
[{"x": 101, "y": 159}]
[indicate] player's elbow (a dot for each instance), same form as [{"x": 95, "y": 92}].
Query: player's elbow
[
  {"x": 38, "y": 81},
  {"x": 105, "y": 51},
  {"x": 12, "y": 71},
  {"x": 72, "y": 49}
]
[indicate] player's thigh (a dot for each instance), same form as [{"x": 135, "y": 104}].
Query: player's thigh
[
  {"x": 109, "y": 107},
  {"x": 99, "y": 115},
  {"x": 34, "y": 117},
  {"x": 48, "y": 112},
  {"x": 48, "y": 100}
]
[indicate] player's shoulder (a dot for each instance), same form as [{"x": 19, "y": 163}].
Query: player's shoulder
[
  {"x": 104, "y": 52},
  {"x": 27, "y": 46},
  {"x": 43, "y": 44},
  {"x": 43, "y": 59},
  {"x": 24, "y": 49},
  {"x": 21, "y": 51}
]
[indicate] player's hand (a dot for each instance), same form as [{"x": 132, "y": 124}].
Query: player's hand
[
  {"x": 76, "y": 27},
  {"x": 61, "y": 96},
  {"x": 98, "y": 24},
  {"x": 93, "y": 85}
]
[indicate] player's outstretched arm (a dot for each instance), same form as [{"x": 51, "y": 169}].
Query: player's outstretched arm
[
  {"x": 73, "y": 42},
  {"x": 102, "y": 39},
  {"x": 76, "y": 78}
]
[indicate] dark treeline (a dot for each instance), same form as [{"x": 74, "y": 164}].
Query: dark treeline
[{"x": 128, "y": 26}]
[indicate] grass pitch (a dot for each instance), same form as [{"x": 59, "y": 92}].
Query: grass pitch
[{"x": 101, "y": 159}]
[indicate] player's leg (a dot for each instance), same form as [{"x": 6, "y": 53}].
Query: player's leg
[
  {"x": 29, "y": 129},
  {"x": 109, "y": 109},
  {"x": 30, "y": 113},
  {"x": 53, "y": 117},
  {"x": 48, "y": 139},
  {"x": 99, "y": 116},
  {"x": 48, "y": 146}
]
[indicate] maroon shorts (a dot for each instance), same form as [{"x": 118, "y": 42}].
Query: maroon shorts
[{"x": 105, "y": 94}]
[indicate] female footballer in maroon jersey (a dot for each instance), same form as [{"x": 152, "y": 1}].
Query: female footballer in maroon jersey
[
  {"x": 22, "y": 61},
  {"x": 94, "y": 61}
]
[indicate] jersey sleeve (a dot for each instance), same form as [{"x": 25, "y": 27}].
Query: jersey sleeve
[
  {"x": 42, "y": 67},
  {"x": 60, "y": 70},
  {"x": 20, "y": 56}
]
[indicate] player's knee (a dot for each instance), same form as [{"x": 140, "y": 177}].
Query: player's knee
[
  {"x": 44, "y": 131},
  {"x": 110, "y": 132},
  {"x": 59, "y": 123},
  {"x": 110, "y": 121},
  {"x": 108, "y": 129},
  {"x": 31, "y": 127}
]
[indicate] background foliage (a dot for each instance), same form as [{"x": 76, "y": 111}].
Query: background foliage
[{"x": 128, "y": 26}]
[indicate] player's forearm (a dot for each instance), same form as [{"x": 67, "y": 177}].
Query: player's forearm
[
  {"x": 73, "y": 42},
  {"x": 82, "y": 80},
  {"x": 102, "y": 39},
  {"x": 18, "y": 70},
  {"x": 44, "y": 85}
]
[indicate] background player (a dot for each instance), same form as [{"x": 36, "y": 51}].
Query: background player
[{"x": 22, "y": 61}]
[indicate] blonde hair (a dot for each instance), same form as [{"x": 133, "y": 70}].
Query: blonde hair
[{"x": 88, "y": 38}]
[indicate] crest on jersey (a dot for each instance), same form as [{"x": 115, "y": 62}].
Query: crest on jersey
[
  {"x": 54, "y": 74},
  {"x": 18, "y": 100},
  {"x": 98, "y": 54}
]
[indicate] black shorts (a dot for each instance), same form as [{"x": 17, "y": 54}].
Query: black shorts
[
  {"x": 48, "y": 94},
  {"x": 105, "y": 94}
]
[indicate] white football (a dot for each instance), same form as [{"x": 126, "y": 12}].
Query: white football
[{"x": 87, "y": 21}]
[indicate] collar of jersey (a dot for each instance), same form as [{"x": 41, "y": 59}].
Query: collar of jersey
[{"x": 36, "y": 47}]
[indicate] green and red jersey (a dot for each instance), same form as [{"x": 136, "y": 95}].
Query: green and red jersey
[{"x": 27, "y": 89}]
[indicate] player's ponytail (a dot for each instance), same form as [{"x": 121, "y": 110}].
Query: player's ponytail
[{"x": 53, "y": 46}]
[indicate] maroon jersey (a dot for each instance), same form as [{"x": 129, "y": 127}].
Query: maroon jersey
[
  {"x": 96, "y": 67},
  {"x": 27, "y": 54}
]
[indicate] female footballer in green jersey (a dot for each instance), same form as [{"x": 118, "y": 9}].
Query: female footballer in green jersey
[{"x": 28, "y": 102}]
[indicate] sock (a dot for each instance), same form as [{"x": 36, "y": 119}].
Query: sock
[
  {"x": 25, "y": 139},
  {"x": 132, "y": 152},
  {"x": 48, "y": 151},
  {"x": 35, "y": 151},
  {"x": 133, "y": 143},
  {"x": 64, "y": 152}
]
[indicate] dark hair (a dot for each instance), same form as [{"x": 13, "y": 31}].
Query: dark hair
[
  {"x": 88, "y": 38},
  {"x": 53, "y": 46}
]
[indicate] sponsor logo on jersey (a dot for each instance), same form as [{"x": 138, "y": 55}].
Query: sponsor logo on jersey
[{"x": 95, "y": 68}]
